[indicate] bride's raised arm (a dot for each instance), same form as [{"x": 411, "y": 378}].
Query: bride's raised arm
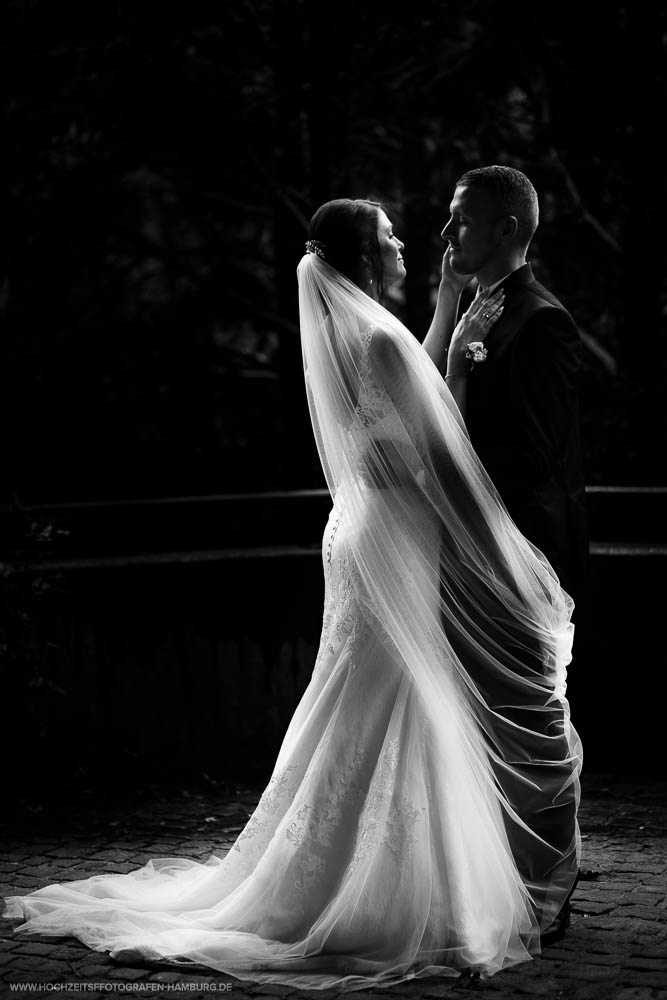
[
  {"x": 446, "y": 341},
  {"x": 439, "y": 334}
]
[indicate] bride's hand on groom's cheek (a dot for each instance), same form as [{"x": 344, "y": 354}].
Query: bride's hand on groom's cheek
[{"x": 451, "y": 277}]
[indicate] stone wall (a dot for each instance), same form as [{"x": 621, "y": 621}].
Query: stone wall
[{"x": 187, "y": 665}]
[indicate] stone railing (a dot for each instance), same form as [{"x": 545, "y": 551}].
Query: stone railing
[{"x": 169, "y": 639}]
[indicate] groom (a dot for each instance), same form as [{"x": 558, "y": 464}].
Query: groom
[
  {"x": 522, "y": 406},
  {"x": 522, "y": 410}
]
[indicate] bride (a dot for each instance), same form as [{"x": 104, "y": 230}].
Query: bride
[{"x": 421, "y": 816}]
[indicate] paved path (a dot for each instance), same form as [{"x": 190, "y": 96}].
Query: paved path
[{"x": 616, "y": 948}]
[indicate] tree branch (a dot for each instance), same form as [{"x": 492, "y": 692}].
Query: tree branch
[{"x": 588, "y": 217}]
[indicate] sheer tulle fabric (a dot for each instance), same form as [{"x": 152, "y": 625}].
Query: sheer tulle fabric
[{"x": 421, "y": 817}]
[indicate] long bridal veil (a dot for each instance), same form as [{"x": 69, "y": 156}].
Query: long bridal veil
[
  {"x": 421, "y": 816},
  {"x": 473, "y": 610}
]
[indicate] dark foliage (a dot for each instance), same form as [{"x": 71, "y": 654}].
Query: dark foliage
[{"x": 164, "y": 161}]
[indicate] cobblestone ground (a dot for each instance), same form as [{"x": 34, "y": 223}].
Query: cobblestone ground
[{"x": 616, "y": 948}]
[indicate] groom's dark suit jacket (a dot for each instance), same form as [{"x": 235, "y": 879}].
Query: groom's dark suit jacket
[{"x": 522, "y": 415}]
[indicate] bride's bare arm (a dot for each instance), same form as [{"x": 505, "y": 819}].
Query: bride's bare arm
[
  {"x": 436, "y": 342},
  {"x": 439, "y": 334}
]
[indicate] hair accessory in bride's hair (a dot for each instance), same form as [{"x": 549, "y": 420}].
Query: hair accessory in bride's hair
[{"x": 316, "y": 247}]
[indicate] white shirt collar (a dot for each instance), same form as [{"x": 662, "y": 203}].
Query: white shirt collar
[{"x": 491, "y": 289}]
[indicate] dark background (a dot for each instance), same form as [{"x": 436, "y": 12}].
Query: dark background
[{"x": 164, "y": 161}]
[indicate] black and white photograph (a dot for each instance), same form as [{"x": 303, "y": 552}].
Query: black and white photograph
[{"x": 334, "y": 518}]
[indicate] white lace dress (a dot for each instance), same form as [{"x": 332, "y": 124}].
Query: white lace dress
[{"x": 377, "y": 851}]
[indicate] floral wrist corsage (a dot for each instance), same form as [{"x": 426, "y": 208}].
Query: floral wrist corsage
[{"x": 476, "y": 353}]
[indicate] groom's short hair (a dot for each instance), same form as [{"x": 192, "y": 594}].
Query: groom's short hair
[{"x": 515, "y": 194}]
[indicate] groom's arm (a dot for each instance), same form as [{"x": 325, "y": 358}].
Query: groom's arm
[{"x": 543, "y": 393}]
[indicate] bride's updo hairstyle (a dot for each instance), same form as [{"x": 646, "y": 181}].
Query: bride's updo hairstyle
[{"x": 347, "y": 229}]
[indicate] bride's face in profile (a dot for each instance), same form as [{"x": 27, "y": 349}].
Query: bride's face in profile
[{"x": 391, "y": 251}]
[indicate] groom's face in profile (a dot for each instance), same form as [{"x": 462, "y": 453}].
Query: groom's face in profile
[{"x": 473, "y": 230}]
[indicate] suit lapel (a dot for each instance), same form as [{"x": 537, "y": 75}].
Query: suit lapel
[
  {"x": 517, "y": 279},
  {"x": 502, "y": 331}
]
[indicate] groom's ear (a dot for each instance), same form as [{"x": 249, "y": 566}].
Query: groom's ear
[{"x": 510, "y": 226}]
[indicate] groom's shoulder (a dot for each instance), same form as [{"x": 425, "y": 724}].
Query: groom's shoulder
[
  {"x": 535, "y": 295},
  {"x": 539, "y": 321},
  {"x": 540, "y": 307},
  {"x": 543, "y": 298}
]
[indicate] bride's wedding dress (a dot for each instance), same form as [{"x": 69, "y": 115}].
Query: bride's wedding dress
[{"x": 421, "y": 816}]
